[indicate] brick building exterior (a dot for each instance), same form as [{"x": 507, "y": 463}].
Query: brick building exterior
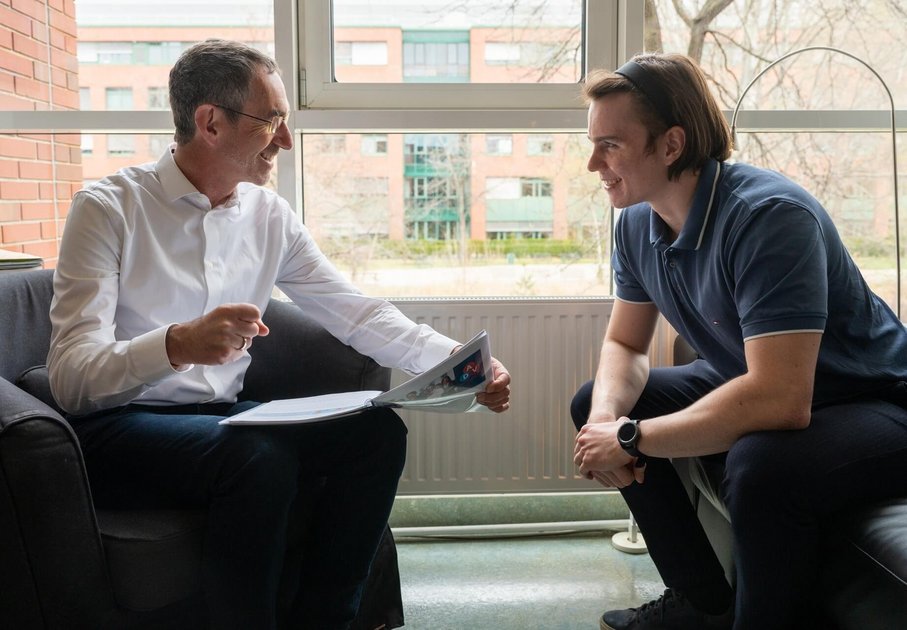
[{"x": 38, "y": 172}]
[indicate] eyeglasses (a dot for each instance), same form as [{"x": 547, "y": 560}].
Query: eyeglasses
[{"x": 273, "y": 123}]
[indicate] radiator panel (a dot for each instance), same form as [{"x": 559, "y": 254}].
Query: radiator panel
[{"x": 551, "y": 347}]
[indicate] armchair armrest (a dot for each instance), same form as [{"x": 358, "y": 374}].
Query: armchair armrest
[
  {"x": 54, "y": 573},
  {"x": 300, "y": 358}
]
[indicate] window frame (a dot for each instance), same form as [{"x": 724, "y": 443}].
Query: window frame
[
  {"x": 479, "y": 108},
  {"x": 322, "y": 92}
]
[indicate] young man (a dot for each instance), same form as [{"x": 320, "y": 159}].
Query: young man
[
  {"x": 800, "y": 386},
  {"x": 163, "y": 273}
]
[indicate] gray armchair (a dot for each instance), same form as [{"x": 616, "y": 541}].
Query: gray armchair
[
  {"x": 864, "y": 571},
  {"x": 68, "y": 565}
]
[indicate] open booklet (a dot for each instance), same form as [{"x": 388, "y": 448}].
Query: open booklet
[{"x": 449, "y": 387}]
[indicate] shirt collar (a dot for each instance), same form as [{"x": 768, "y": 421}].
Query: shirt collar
[
  {"x": 697, "y": 221},
  {"x": 176, "y": 186}
]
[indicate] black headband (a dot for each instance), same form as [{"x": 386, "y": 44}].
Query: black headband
[{"x": 651, "y": 89}]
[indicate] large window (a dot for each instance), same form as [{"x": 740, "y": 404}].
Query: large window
[{"x": 441, "y": 140}]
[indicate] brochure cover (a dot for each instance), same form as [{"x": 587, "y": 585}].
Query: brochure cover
[{"x": 449, "y": 387}]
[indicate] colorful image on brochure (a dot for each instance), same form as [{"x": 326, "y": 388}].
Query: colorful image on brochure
[{"x": 464, "y": 375}]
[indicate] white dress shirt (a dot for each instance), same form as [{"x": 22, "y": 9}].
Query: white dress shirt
[{"x": 143, "y": 249}]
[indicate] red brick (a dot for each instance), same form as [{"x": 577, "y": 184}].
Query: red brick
[
  {"x": 37, "y": 211},
  {"x": 15, "y": 63},
  {"x": 63, "y": 190},
  {"x": 6, "y": 38},
  {"x": 6, "y": 81},
  {"x": 49, "y": 229},
  {"x": 62, "y": 59},
  {"x": 35, "y": 170},
  {"x": 66, "y": 98},
  {"x": 56, "y": 5},
  {"x": 42, "y": 137},
  {"x": 44, "y": 249},
  {"x": 63, "y": 22},
  {"x": 44, "y": 151},
  {"x": 59, "y": 77},
  {"x": 45, "y": 190},
  {"x": 40, "y": 71},
  {"x": 39, "y": 31},
  {"x": 19, "y": 232},
  {"x": 71, "y": 44},
  {"x": 72, "y": 139},
  {"x": 30, "y": 7},
  {"x": 11, "y": 146},
  {"x": 61, "y": 152},
  {"x": 18, "y": 191},
  {"x": 63, "y": 210},
  {"x": 15, "y": 20},
  {"x": 29, "y": 47},
  {"x": 31, "y": 88},
  {"x": 69, "y": 172},
  {"x": 57, "y": 39},
  {"x": 9, "y": 169},
  {"x": 73, "y": 189},
  {"x": 9, "y": 211},
  {"x": 15, "y": 103}
]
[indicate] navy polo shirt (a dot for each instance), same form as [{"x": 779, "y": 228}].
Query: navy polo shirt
[{"x": 758, "y": 256}]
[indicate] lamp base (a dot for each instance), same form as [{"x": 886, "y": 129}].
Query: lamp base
[{"x": 622, "y": 541}]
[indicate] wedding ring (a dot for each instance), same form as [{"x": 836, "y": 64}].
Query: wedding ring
[{"x": 246, "y": 342}]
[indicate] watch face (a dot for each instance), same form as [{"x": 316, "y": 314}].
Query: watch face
[{"x": 627, "y": 433}]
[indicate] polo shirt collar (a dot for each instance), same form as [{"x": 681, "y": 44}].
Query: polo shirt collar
[{"x": 694, "y": 227}]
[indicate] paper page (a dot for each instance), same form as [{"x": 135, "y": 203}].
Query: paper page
[
  {"x": 304, "y": 410},
  {"x": 449, "y": 387}
]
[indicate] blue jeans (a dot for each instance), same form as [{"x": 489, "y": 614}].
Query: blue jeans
[
  {"x": 248, "y": 478},
  {"x": 779, "y": 488}
]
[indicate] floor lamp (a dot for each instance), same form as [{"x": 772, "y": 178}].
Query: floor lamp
[{"x": 894, "y": 148}]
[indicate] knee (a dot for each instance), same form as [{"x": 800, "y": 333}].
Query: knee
[
  {"x": 388, "y": 438},
  {"x": 581, "y": 405}
]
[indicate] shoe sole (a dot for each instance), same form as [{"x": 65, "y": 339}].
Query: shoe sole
[{"x": 603, "y": 626}]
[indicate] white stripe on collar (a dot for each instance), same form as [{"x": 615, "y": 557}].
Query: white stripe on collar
[{"x": 708, "y": 211}]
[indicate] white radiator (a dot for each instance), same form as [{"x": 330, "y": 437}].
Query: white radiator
[{"x": 551, "y": 347}]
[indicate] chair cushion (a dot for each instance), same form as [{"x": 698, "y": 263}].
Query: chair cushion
[
  {"x": 36, "y": 382},
  {"x": 154, "y": 556}
]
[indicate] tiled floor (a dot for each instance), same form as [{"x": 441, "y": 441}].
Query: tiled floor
[{"x": 555, "y": 582}]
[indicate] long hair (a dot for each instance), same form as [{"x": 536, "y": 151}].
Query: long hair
[{"x": 681, "y": 87}]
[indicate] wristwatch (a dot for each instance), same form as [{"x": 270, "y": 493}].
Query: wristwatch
[{"x": 628, "y": 436}]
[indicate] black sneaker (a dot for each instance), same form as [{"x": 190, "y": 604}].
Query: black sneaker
[{"x": 671, "y": 611}]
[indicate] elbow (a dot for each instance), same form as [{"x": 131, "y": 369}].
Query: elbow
[
  {"x": 796, "y": 411},
  {"x": 798, "y": 418}
]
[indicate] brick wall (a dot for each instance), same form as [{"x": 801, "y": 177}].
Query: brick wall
[{"x": 38, "y": 172}]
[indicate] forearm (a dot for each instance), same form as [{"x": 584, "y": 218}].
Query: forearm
[
  {"x": 715, "y": 422},
  {"x": 621, "y": 376}
]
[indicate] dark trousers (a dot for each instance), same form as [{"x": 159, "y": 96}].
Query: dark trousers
[
  {"x": 248, "y": 478},
  {"x": 779, "y": 487}
]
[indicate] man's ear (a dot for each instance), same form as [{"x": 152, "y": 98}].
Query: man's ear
[
  {"x": 207, "y": 124},
  {"x": 675, "y": 141}
]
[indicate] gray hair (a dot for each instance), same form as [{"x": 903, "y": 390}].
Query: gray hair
[{"x": 214, "y": 71}]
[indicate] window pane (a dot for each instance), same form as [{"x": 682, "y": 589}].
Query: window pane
[
  {"x": 745, "y": 36},
  {"x": 136, "y": 46},
  {"x": 430, "y": 41},
  {"x": 437, "y": 214},
  {"x": 851, "y": 174}
]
